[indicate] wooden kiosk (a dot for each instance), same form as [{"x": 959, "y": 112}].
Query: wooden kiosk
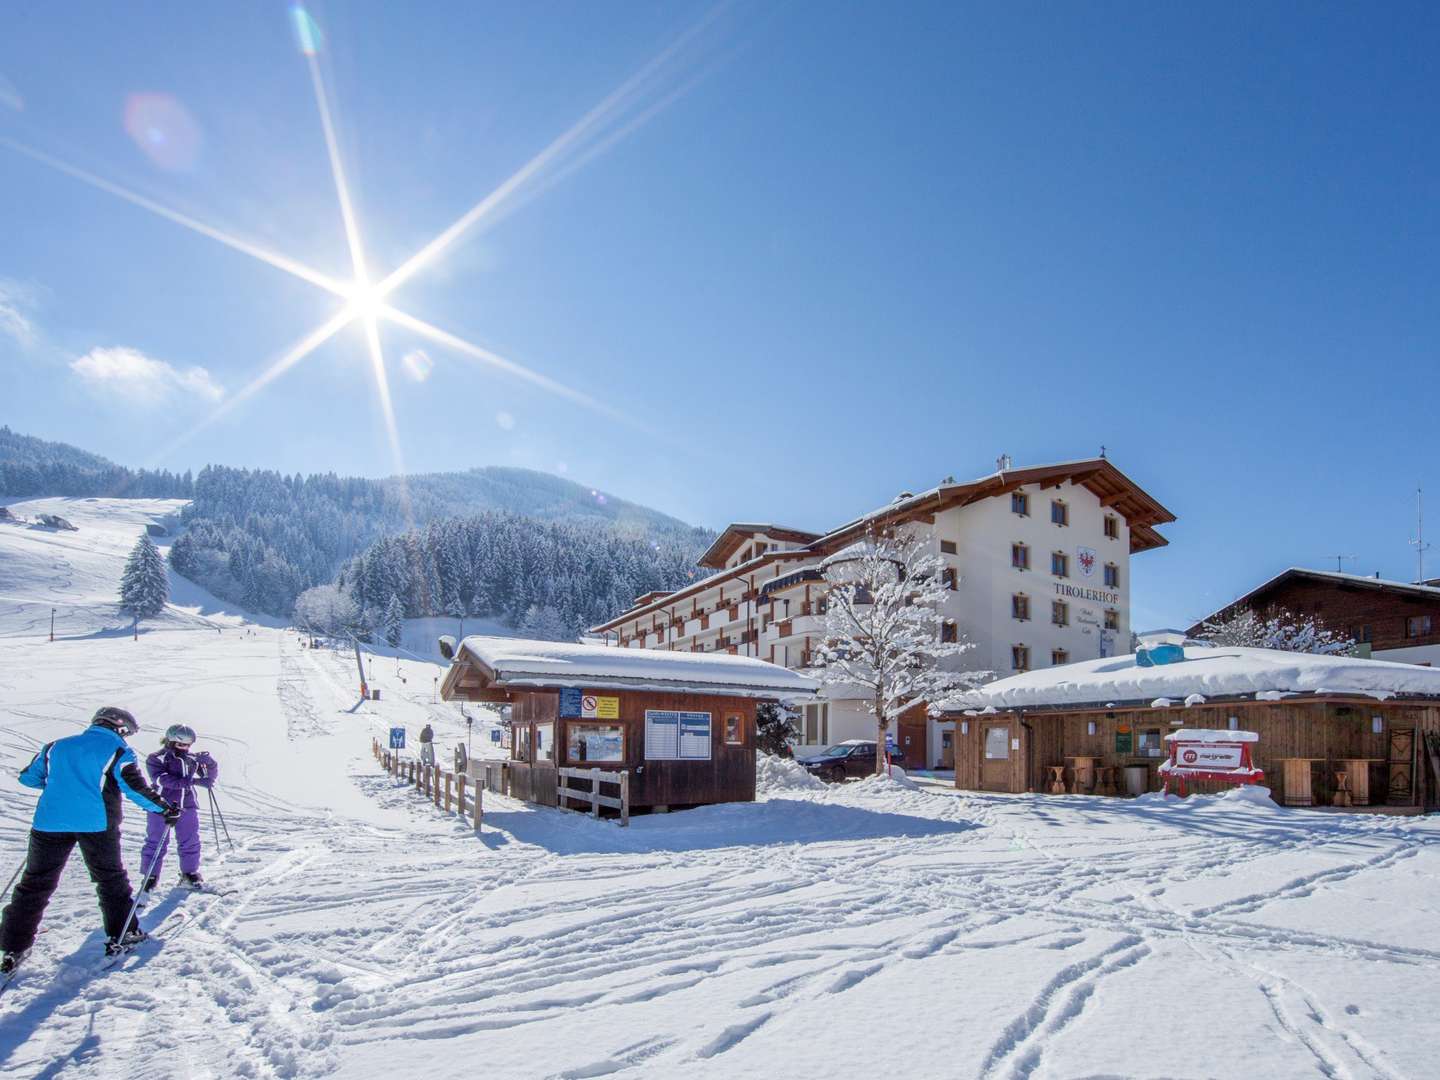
[
  {"x": 1328, "y": 731},
  {"x": 679, "y": 727}
]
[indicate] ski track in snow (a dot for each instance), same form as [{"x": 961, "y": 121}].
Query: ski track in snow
[{"x": 366, "y": 934}]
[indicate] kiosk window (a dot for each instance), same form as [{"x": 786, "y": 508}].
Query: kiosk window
[
  {"x": 544, "y": 742},
  {"x": 594, "y": 742},
  {"x": 734, "y": 729}
]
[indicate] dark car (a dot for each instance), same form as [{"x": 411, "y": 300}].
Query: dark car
[{"x": 852, "y": 758}]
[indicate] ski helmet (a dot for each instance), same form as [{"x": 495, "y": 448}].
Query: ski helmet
[
  {"x": 179, "y": 733},
  {"x": 116, "y": 719}
]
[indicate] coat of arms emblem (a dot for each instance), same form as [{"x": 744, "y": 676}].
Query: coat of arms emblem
[{"x": 1086, "y": 558}]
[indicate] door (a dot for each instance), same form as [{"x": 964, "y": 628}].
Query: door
[
  {"x": 947, "y": 750},
  {"x": 995, "y": 757}
]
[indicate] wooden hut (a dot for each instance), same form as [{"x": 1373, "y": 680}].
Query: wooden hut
[
  {"x": 1336, "y": 731},
  {"x": 679, "y": 725}
]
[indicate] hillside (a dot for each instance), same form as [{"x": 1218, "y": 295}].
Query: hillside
[
  {"x": 545, "y": 497},
  {"x": 31, "y": 466}
]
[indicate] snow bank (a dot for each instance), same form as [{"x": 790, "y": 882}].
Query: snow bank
[
  {"x": 776, "y": 774},
  {"x": 1265, "y": 674},
  {"x": 880, "y": 783}
]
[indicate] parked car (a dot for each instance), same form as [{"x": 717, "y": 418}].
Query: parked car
[{"x": 852, "y": 758}]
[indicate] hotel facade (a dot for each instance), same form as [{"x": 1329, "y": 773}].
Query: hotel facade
[{"x": 1037, "y": 568}]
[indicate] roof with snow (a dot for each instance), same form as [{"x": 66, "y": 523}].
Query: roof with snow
[
  {"x": 505, "y": 663},
  {"x": 1420, "y": 590},
  {"x": 1206, "y": 672}
]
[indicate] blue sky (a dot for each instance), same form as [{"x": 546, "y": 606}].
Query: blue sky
[{"x": 818, "y": 254}]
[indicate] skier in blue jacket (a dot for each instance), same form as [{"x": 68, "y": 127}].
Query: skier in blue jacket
[{"x": 81, "y": 779}]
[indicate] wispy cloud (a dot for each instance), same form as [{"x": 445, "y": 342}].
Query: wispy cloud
[
  {"x": 16, "y": 301},
  {"x": 142, "y": 379}
]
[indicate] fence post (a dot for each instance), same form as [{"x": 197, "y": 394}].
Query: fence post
[
  {"x": 594, "y": 792},
  {"x": 624, "y": 797},
  {"x": 479, "y": 805},
  {"x": 448, "y": 799},
  {"x": 460, "y": 794},
  {"x": 435, "y": 782}
]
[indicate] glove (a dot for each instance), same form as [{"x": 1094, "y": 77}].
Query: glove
[{"x": 171, "y": 813}]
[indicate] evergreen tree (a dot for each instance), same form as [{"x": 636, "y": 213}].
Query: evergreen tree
[
  {"x": 393, "y": 621},
  {"x": 144, "y": 587},
  {"x": 774, "y": 729}
]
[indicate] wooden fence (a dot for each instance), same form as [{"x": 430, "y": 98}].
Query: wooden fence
[
  {"x": 619, "y": 780},
  {"x": 447, "y": 790}
]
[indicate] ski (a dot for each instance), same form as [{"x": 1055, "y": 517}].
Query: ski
[{"x": 171, "y": 923}]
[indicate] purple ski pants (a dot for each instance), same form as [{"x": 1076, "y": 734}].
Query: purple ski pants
[{"x": 187, "y": 839}]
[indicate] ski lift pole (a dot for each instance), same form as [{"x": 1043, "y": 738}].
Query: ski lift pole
[{"x": 360, "y": 666}]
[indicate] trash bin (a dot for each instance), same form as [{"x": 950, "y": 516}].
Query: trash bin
[{"x": 1137, "y": 779}]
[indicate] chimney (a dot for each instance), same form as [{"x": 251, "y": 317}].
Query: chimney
[{"x": 1004, "y": 462}]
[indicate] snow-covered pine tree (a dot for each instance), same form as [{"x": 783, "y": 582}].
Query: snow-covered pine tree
[
  {"x": 774, "y": 728},
  {"x": 393, "y": 620},
  {"x": 144, "y": 587},
  {"x": 1278, "y": 630},
  {"x": 883, "y": 628}
]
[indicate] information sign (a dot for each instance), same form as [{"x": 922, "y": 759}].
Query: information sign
[{"x": 397, "y": 738}]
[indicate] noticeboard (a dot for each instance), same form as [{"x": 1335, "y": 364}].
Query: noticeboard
[
  {"x": 570, "y": 702},
  {"x": 677, "y": 736},
  {"x": 1124, "y": 740}
]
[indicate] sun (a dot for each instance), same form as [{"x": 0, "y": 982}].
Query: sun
[{"x": 367, "y": 301}]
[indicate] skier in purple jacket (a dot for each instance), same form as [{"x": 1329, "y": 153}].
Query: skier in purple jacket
[{"x": 175, "y": 771}]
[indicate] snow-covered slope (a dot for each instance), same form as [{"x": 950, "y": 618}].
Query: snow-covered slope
[{"x": 821, "y": 932}]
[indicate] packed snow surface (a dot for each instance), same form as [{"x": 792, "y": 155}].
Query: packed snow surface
[
  {"x": 1209, "y": 671},
  {"x": 518, "y": 662},
  {"x": 369, "y": 935},
  {"x": 1211, "y": 735}
]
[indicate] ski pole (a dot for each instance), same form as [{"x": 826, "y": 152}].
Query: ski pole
[
  {"x": 215, "y": 805},
  {"x": 214, "y": 829},
  {"x": 18, "y": 871},
  {"x": 145, "y": 876}
]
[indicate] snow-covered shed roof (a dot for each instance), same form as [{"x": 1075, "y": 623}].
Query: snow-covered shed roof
[
  {"x": 1424, "y": 590},
  {"x": 515, "y": 662},
  {"x": 1206, "y": 672}
]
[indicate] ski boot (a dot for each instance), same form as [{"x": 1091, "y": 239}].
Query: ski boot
[
  {"x": 125, "y": 942},
  {"x": 12, "y": 960},
  {"x": 193, "y": 880}
]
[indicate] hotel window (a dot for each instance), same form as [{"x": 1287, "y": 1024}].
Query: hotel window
[
  {"x": 1020, "y": 657},
  {"x": 1020, "y": 606},
  {"x": 1060, "y": 564},
  {"x": 1417, "y": 626},
  {"x": 1058, "y": 657},
  {"x": 1112, "y": 576},
  {"x": 1020, "y": 556},
  {"x": 817, "y": 724},
  {"x": 1112, "y": 619},
  {"x": 949, "y": 631},
  {"x": 1059, "y": 613},
  {"x": 1020, "y": 503},
  {"x": 1059, "y": 512},
  {"x": 1112, "y": 527},
  {"x": 950, "y": 578},
  {"x": 947, "y": 547}
]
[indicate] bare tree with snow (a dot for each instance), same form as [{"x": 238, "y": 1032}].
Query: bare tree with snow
[
  {"x": 1278, "y": 630},
  {"x": 884, "y": 629},
  {"x": 325, "y": 609}
]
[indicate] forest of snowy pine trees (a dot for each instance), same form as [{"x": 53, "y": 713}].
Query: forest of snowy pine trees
[
  {"x": 546, "y": 579},
  {"x": 31, "y": 466}
]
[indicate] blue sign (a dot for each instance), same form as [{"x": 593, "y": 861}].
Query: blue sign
[
  {"x": 397, "y": 738},
  {"x": 889, "y": 744},
  {"x": 495, "y": 735},
  {"x": 570, "y": 702}
]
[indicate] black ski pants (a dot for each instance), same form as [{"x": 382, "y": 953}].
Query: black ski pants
[{"x": 49, "y": 852}]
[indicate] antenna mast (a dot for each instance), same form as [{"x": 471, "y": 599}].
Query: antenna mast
[{"x": 1419, "y": 542}]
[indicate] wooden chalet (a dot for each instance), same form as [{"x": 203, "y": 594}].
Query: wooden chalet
[
  {"x": 680, "y": 726},
  {"x": 1335, "y": 731}
]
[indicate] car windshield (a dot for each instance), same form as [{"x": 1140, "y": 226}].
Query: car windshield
[{"x": 839, "y": 751}]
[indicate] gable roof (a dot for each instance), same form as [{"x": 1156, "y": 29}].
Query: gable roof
[
  {"x": 1331, "y": 577},
  {"x": 507, "y": 663},
  {"x": 735, "y": 534}
]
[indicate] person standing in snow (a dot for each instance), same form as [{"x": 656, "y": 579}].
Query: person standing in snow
[
  {"x": 177, "y": 772},
  {"x": 427, "y": 745},
  {"x": 81, "y": 778}
]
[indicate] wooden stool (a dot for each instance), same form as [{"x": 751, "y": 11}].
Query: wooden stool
[
  {"x": 1106, "y": 780},
  {"x": 1342, "y": 789},
  {"x": 1057, "y": 779}
]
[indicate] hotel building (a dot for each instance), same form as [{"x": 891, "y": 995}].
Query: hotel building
[{"x": 1036, "y": 561}]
